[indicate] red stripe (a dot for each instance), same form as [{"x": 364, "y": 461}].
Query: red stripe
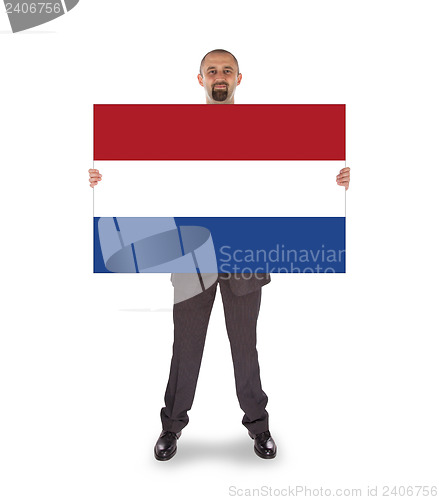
[{"x": 215, "y": 132}]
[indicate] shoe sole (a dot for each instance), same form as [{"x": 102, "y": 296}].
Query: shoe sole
[{"x": 164, "y": 459}]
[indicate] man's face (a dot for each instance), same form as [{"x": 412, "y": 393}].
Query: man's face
[{"x": 219, "y": 78}]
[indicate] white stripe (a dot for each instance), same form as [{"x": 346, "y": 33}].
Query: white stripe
[{"x": 219, "y": 189}]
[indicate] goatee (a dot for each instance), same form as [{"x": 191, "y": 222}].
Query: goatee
[{"x": 220, "y": 95}]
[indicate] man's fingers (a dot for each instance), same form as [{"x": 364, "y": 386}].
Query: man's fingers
[
  {"x": 345, "y": 184},
  {"x": 95, "y": 176},
  {"x": 343, "y": 176}
]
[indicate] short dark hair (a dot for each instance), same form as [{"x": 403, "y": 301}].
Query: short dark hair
[{"x": 218, "y": 51}]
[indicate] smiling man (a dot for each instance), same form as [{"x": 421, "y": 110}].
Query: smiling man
[
  {"x": 241, "y": 295},
  {"x": 219, "y": 75}
]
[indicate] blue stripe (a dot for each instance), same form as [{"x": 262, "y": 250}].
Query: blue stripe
[{"x": 265, "y": 244}]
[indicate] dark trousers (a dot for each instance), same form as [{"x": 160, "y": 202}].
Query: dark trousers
[{"x": 191, "y": 318}]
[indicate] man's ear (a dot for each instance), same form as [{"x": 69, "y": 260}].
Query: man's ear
[
  {"x": 200, "y": 80},
  {"x": 239, "y": 79}
]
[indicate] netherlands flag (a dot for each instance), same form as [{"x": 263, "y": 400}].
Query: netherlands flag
[{"x": 219, "y": 189}]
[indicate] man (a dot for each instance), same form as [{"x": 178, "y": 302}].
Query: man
[{"x": 219, "y": 76}]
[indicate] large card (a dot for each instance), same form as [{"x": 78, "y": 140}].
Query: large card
[{"x": 186, "y": 188}]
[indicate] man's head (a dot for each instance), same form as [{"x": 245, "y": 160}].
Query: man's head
[{"x": 219, "y": 75}]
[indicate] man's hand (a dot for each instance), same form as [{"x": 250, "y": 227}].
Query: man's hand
[
  {"x": 344, "y": 177},
  {"x": 95, "y": 176}
]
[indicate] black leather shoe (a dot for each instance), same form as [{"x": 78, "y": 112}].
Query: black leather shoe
[
  {"x": 166, "y": 446},
  {"x": 265, "y": 447}
]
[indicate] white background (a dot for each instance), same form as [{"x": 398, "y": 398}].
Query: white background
[{"x": 349, "y": 362}]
